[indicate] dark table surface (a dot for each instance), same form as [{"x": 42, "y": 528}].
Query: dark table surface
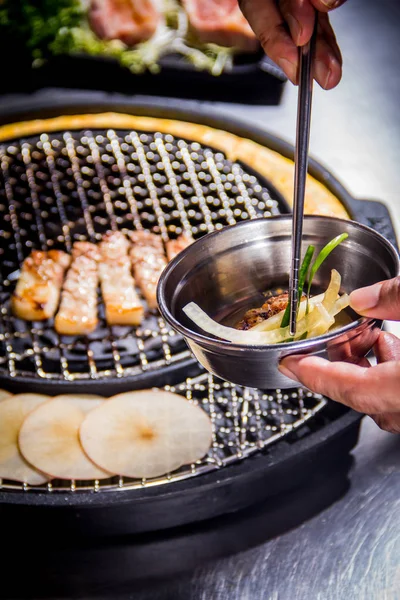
[{"x": 351, "y": 550}]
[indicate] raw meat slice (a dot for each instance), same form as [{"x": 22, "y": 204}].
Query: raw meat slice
[
  {"x": 131, "y": 21},
  {"x": 221, "y": 22}
]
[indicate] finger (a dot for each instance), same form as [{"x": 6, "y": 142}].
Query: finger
[
  {"x": 388, "y": 422},
  {"x": 353, "y": 347},
  {"x": 361, "y": 362},
  {"x": 268, "y": 24},
  {"x": 387, "y": 347},
  {"x": 300, "y": 16},
  {"x": 328, "y": 60},
  {"x": 329, "y": 34},
  {"x": 326, "y": 5},
  {"x": 370, "y": 391},
  {"x": 381, "y": 300}
]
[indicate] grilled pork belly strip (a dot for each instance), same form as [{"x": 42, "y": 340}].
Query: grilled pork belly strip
[
  {"x": 122, "y": 304},
  {"x": 78, "y": 309},
  {"x": 38, "y": 289},
  {"x": 148, "y": 261},
  {"x": 174, "y": 247},
  {"x": 220, "y": 22},
  {"x": 131, "y": 21}
]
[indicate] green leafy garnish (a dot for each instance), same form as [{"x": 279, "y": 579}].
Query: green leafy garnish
[
  {"x": 305, "y": 268},
  {"x": 323, "y": 255},
  {"x": 305, "y": 265},
  {"x": 30, "y": 26}
]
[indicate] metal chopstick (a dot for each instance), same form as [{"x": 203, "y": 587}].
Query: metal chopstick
[{"x": 301, "y": 164}]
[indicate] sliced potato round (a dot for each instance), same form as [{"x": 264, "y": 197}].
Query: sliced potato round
[
  {"x": 49, "y": 438},
  {"x": 4, "y": 394},
  {"x": 146, "y": 434},
  {"x": 13, "y": 412}
]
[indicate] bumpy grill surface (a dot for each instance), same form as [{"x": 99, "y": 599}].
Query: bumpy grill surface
[
  {"x": 59, "y": 188},
  {"x": 244, "y": 422}
]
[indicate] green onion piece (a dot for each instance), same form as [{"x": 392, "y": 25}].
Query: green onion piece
[
  {"x": 305, "y": 265},
  {"x": 323, "y": 255},
  {"x": 286, "y": 316}
]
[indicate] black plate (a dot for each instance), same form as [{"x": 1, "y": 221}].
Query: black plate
[{"x": 254, "y": 78}]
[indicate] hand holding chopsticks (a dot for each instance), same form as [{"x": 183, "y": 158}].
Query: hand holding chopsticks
[{"x": 284, "y": 25}]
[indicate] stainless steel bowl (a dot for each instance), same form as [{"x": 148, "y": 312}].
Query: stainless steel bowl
[{"x": 227, "y": 271}]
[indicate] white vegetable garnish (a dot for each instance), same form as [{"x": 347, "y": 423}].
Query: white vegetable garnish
[
  {"x": 332, "y": 291},
  {"x": 315, "y": 318},
  {"x": 321, "y": 316},
  {"x": 328, "y": 302}
]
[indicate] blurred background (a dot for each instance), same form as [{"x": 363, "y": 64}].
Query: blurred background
[{"x": 355, "y": 126}]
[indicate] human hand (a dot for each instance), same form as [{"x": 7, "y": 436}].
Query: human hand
[
  {"x": 370, "y": 390},
  {"x": 282, "y": 25}
]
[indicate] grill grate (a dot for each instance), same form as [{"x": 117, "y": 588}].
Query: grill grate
[
  {"x": 244, "y": 422},
  {"x": 59, "y": 188}
]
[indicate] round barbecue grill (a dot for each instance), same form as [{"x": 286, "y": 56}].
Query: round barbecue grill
[{"x": 59, "y": 186}]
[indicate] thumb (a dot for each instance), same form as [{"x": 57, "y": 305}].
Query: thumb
[{"x": 381, "y": 300}]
